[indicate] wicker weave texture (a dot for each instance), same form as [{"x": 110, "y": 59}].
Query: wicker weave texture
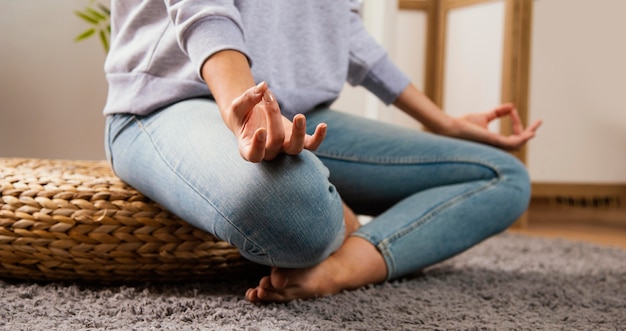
[{"x": 75, "y": 220}]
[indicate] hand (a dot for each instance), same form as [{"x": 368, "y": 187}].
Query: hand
[
  {"x": 263, "y": 133},
  {"x": 474, "y": 127}
]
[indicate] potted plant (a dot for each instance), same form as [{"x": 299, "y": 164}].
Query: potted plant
[{"x": 97, "y": 15}]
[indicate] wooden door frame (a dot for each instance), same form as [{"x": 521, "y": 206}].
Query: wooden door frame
[
  {"x": 516, "y": 51},
  {"x": 515, "y": 62}
]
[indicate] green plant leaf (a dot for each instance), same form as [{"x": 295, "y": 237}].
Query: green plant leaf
[
  {"x": 104, "y": 39},
  {"x": 86, "y": 17},
  {"x": 95, "y": 14},
  {"x": 98, "y": 16},
  {"x": 105, "y": 9},
  {"x": 86, "y": 34}
]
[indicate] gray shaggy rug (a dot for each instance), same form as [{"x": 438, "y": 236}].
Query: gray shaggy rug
[{"x": 509, "y": 282}]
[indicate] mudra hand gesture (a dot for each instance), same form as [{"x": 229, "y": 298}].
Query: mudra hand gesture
[{"x": 263, "y": 133}]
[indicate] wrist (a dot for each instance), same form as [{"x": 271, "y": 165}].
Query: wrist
[
  {"x": 228, "y": 76},
  {"x": 447, "y": 126}
]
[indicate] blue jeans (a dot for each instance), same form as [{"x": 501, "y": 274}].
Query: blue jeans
[{"x": 431, "y": 197}]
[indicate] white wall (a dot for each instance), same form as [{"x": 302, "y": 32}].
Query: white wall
[
  {"x": 52, "y": 89},
  {"x": 578, "y": 78},
  {"x": 473, "y": 59},
  {"x": 578, "y": 83}
]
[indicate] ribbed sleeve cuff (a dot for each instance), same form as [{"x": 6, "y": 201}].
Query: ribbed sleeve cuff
[{"x": 212, "y": 35}]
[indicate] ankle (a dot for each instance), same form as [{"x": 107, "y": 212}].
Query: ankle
[{"x": 357, "y": 263}]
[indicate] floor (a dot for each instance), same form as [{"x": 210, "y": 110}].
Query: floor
[{"x": 604, "y": 226}]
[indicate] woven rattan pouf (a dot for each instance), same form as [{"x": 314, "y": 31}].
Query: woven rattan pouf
[{"x": 75, "y": 220}]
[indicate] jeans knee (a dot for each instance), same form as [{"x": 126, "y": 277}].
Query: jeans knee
[
  {"x": 290, "y": 219},
  {"x": 517, "y": 179},
  {"x": 521, "y": 179},
  {"x": 300, "y": 233},
  {"x": 310, "y": 248}
]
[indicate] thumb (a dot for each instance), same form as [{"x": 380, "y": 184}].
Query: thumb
[{"x": 250, "y": 98}]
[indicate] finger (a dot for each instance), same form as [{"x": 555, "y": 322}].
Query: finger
[
  {"x": 275, "y": 129},
  {"x": 295, "y": 145},
  {"x": 516, "y": 123},
  {"x": 244, "y": 103},
  {"x": 515, "y": 142},
  {"x": 254, "y": 149},
  {"x": 535, "y": 126},
  {"x": 314, "y": 141},
  {"x": 521, "y": 139},
  {"x": 500, "y": 111}
]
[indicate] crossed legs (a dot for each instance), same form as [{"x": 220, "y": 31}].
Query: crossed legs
[{"x": 431, "y": 198}]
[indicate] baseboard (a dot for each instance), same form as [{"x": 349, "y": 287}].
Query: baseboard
[
  {"x": 581, "y": 195},
  {"x": 602, "y": 204}
]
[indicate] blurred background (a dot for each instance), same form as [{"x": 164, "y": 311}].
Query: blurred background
[{"x": 52, "y": 90}]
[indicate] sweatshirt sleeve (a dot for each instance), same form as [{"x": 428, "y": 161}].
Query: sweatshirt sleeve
[
  {"x": 204, "y": 28},
  {"x": 369, "y": 65}
]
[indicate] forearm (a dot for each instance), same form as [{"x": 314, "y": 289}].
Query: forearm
[
  {"x": 472, "y": 126},
  {"x": 228, "y": 76},
  {"x": 417, "y": 105}
]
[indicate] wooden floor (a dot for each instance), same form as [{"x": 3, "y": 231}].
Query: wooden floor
[{"x": 599, "y": 226}]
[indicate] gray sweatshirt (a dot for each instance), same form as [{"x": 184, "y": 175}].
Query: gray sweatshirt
[{"x": 304, "y": 49}]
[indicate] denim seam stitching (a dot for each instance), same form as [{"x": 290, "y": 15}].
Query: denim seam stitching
[
  {"x": 384, "y": 245},
  {"x": 431, "y": 214},
  {"x": 141, "y": 125},
  {"x": 405, "y": 160}
]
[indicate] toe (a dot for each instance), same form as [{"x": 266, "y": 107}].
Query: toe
[
  {"x": 265, "y": 282},
  {"x": 262, "y": 293},
  {"x": 278, "y": 279},
  {"x": 252, "y": 295}
]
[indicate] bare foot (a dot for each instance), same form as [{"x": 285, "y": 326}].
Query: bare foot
[{"x": 357, "y": 263}]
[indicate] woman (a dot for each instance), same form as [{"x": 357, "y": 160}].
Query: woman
[{"x": 218, "y": 110}]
